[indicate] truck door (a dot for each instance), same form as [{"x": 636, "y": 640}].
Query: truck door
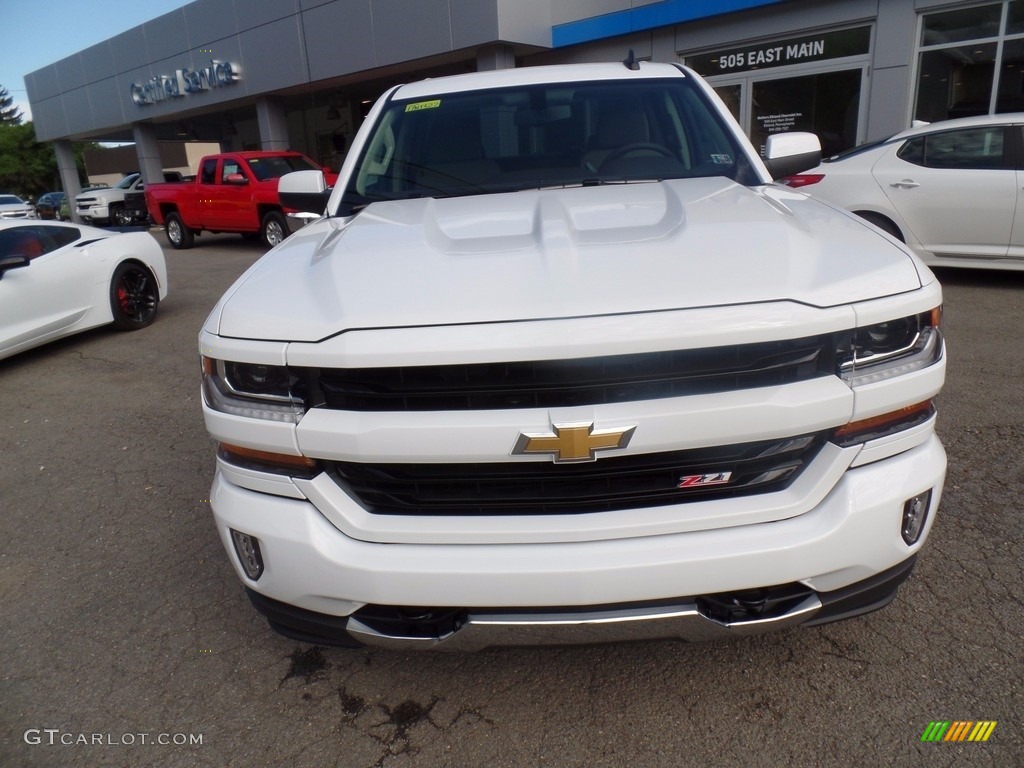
[
  {"x": 223, "y": 194},
  {"x": 207, "y": 199},
  {"x": 235, "y": 194}
]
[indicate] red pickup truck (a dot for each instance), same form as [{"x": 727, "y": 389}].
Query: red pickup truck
[{"x": 233, "y": 192}]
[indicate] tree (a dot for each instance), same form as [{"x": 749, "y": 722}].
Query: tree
[
  {"x": 8, "y": 115},
  {"x": 27, "y": 167}
]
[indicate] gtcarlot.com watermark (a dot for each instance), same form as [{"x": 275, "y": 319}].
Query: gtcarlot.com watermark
[{"x": 56, "y": 737}]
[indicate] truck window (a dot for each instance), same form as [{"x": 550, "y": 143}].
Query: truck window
[
  {"x": 208, "y": 173},
  {"x": 127, "y": 181},
  {"x": 228, "y": 168},
  {"x": 264, "y": 168}
]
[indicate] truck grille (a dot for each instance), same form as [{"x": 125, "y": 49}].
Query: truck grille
[
  {"x": 615, "y": 483},
  {"x": 586, "y": 381}
]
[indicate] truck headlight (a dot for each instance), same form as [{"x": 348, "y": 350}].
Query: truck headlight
[
  {"x": 253, "y": 390},
  {"x": 893, "y": 348}
]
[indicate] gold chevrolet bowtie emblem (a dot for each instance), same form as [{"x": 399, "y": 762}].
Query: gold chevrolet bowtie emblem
[{"x": 573, "y": 442}]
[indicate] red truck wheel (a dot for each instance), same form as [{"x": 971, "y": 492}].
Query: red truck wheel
[
  {"x": 178, "y": 235},
  {"x": 275, "y": 228}
]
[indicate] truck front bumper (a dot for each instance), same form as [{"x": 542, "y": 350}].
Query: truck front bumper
[
  {"x": 844, "y": 557},
  {"x": 93, "y": 213},
  {"x": 691, "y": 619}
]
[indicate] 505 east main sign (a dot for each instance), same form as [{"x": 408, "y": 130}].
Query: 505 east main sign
[
  {"x": 797, "y": 50},
  {"x": 185, "y": 82}
]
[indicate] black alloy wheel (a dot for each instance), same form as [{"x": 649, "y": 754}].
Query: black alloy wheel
[{"x": 134, "y": 296}]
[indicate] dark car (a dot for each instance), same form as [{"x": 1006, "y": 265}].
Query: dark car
[{"x": 48, "y": 205}]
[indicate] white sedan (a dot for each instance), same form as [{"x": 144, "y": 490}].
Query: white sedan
[
  {"x": 59, "y": 278},
  {"x": 952, "y": 191},
  {"x": 13, "y": 207}
]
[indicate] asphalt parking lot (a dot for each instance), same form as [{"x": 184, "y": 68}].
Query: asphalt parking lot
[{"x": 127, "y": 639}]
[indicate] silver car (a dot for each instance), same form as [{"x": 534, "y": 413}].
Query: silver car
[{"x": 13, "y": 207}]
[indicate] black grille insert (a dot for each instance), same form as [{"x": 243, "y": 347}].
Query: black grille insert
[
  {"x": 586, "y": 381},
  {"x": 542, "y": 488}
]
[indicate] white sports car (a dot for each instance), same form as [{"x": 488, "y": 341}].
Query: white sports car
[{"x": 59, "y": 278}]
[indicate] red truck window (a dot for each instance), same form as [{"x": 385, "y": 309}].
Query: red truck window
[
  {"x": 208, "y": 174},
  {"x": 265, "y": 168},
  {"x": 230, "y": 167}
]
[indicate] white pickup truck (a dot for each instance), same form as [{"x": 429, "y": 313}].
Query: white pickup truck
[
  {"x": 105, "y": 205},
  {"x": 560, "y": 364}
]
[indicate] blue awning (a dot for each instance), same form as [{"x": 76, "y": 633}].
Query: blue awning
[{"x": 658, "y": 14}]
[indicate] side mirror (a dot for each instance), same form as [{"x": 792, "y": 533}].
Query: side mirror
[
  {"x": 236, "y": 178},
  {"x": 13, "y": 261},
  {"x": 302, "y": 218},
  {"x": 304, "y": 191},
  {"x": 789, "y": 153}
]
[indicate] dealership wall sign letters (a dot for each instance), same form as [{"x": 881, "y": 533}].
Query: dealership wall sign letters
[{"x": 185, "y": 82}]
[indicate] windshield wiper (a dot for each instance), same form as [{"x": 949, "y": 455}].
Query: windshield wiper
[{"x": 600, "y": 182}]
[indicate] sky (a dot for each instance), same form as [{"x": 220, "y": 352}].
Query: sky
[{"x": 36, "y": 34}]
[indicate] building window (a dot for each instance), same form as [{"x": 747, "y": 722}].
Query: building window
[
  {"x": 958, "y": 26},
  {"x": 971, "y": 62}
]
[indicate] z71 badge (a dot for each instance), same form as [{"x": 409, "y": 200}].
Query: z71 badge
[{"x": 702, "y": 481}]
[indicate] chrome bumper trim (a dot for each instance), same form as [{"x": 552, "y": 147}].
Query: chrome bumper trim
[{"x": 679, "y": 622}]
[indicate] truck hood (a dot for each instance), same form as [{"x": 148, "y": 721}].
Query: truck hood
[{"x": 556, "y": 253}]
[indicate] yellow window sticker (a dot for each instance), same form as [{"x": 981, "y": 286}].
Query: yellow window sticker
[{"x": 417, "y": 106}]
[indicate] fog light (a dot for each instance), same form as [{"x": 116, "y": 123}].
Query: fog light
[
  {"x": 248, "y": 550},
  {"x": 915, "y": 514}
]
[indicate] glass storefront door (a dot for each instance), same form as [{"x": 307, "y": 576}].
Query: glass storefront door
[
  {"x": 810, "y": 82},
  {"x": 824, "y": 103},
  {"x": 827, "y": 104},
  {"x": 732, "y": 95}
]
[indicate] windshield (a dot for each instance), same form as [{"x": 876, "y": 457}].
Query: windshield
[
  {"x": 127, "y": 181},
  {"x": 552, "y": 134},
  {"x": 11, "y": 200}
]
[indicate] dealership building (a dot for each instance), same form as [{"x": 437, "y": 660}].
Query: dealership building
[{"x": 301, "y": 74}]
